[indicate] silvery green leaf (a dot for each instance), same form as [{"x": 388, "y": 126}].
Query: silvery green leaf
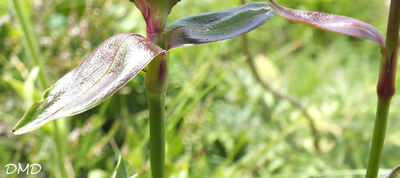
[
  {"x": 114, "y": 63},
  {"x": 218, "y": 25}
]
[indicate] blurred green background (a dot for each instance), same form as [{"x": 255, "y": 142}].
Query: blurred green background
[{"x": 221, "y": 121}]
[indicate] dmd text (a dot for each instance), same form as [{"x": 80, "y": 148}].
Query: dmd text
[{"x": 21, "y": 169}]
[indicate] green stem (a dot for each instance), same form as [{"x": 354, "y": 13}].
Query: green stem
[
  {"x": 33, "y": 53},
  {"x": 31, "y": 45},
  {"x": 156, "y": 87},
  {"x": 392, "y": 35},
  {"x": 378, "y": 138},
  {"x": 385, "y": 89},
  {"x": 157, "y": 134},
  {"x": 156, "y": 82},
  {"x": 59, "y": 139}
]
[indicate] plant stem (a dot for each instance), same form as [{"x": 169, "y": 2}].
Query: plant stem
[
  {"x": 385, "y": 89},
  {"x": 59, "y": 140},
  {"x": 156, "y": 83},
  {"x": 378, "y": 138},
  {"x": 156, "y": 87},
  {"x": 157, "y": 134},
  {"x": 33, "y": 53},
  {"x": 31, "y": 47},
  {"x": 392, "y": 35}
]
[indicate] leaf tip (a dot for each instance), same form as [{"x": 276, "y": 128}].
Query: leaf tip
[
  {"x": 15, "y": 131},
  {"x": 331, "y": 22}
]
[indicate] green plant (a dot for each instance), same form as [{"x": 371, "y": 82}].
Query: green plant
[
  {"x": 389, "y": 49},
  {"x": 121, "y": 57}
]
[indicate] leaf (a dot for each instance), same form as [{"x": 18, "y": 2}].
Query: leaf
[
  {"x": 123, "y": 169},
  {"x": 330, "y": 22},
  {"x": 114, "y": 63},
  {"x": 395, "y": 173},
  {"x": 218, "y": 25}
]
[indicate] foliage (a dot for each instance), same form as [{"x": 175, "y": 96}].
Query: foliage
[
  {"x": 116, "y": 61},
  {"x": 220, "y": 121}
]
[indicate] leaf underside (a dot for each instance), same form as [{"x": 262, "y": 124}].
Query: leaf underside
[
  {"x": 330, "y": 22},
  {"x": 114, "y": 63},
  {"x": 218, "y": 25}
]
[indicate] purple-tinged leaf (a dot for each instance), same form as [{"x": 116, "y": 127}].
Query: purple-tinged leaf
[
  {"x": 114, "y": 63},
  {"x": 335, "y": 23},
  {"x": 218, "y": 25}
]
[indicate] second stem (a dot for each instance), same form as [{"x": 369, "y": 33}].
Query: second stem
[{"x": 385, "y": 89}]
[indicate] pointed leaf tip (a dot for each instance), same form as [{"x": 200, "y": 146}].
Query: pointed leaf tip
[
  {"x": 218, "y": 25},
  {"x": 114, "y": 63},
  {"x": 335, "y": 23}
]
